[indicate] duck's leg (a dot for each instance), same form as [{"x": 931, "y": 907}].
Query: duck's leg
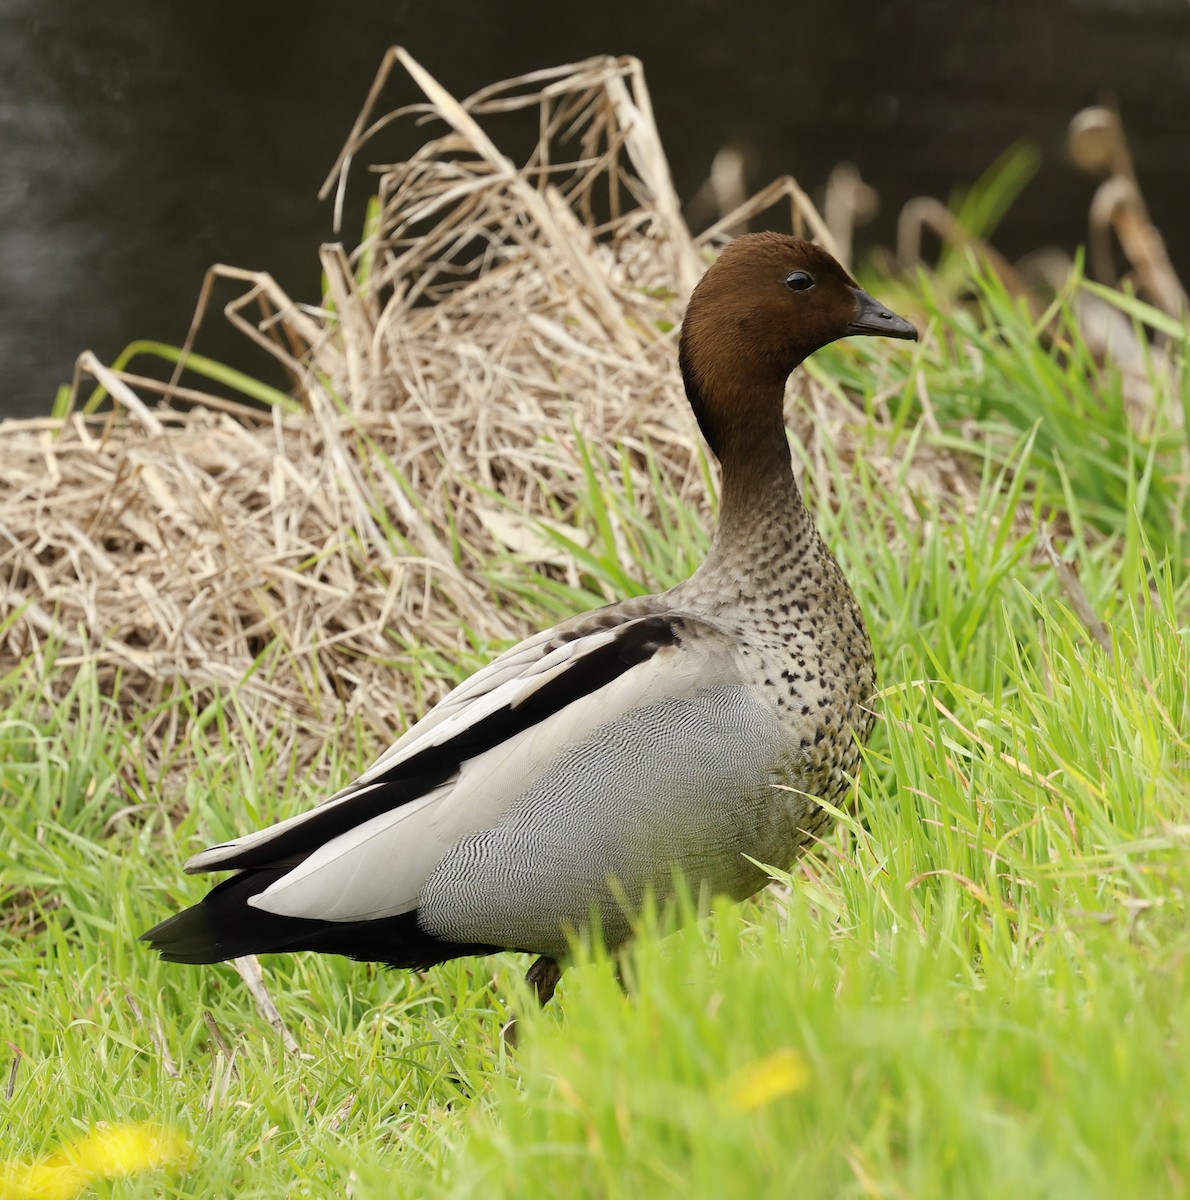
[{"x": 543, "y": 978}]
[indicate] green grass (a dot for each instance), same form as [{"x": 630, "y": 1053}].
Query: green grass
[{"x": 979, "y": 987}]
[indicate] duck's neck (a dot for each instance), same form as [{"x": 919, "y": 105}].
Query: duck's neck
[{"x": 761, "y": 515}]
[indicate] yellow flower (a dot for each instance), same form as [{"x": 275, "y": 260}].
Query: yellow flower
[
  {"x": 111, "y": 1151},
  {"x": 767, "y": 1079}
]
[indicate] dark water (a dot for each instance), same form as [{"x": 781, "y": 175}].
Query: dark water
[{"x": 141, "y": 141}]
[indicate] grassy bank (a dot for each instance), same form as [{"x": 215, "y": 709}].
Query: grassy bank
[{"x": 978, "y": 987}]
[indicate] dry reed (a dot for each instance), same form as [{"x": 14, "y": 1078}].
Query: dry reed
[{"x": 176, "y": 539}]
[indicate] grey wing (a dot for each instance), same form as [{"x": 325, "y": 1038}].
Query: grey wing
[
  {"x": 368, "y": 854},
  {"x": 535, "y": 679},
  {"x": 688, "y": 784}
]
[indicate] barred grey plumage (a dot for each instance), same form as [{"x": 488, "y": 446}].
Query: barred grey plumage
[{"x": 685, "y": 784}]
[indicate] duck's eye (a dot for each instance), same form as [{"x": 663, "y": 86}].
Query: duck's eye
[{"x": 799, "y": 281}]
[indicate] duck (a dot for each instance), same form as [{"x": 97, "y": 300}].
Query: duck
[{"x": 668, "y": 740}]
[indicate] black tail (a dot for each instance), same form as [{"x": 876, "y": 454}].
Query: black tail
[{"x": 224, "y": 925}]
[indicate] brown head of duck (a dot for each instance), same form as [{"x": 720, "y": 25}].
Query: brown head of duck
[{"x": 766, "y": 304}]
